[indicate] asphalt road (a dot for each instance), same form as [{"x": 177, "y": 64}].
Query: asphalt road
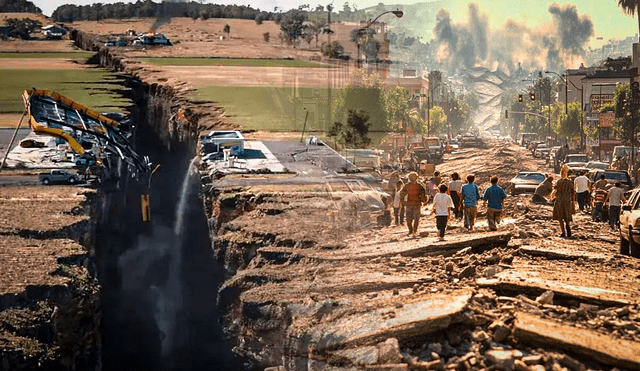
[{"x": 5, "y": 138}]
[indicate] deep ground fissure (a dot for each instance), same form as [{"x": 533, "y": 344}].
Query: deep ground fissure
[{"x": 159, "y": 280}]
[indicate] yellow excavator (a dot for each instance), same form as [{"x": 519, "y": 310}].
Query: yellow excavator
[
  {"x": 97, "y": 140},
  {"x": 91, "y": 135}
]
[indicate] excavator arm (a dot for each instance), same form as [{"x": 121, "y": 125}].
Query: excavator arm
[{"x": 53, "y": 114}]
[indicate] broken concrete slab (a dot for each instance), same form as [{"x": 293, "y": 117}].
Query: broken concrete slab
[
  {"x": 562, "y": 254},
  {"x": 358, "y": 356},
  {"x": 432, "y": 314},
  {"x": 506, "y": 282},
  {"x": 412, "y": 248},
  {"x": 588, "y": 343}
]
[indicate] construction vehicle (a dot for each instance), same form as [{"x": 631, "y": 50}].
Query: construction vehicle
[
  {"x": 100, "y": 145},
  {"x": 95, "y": 139}
]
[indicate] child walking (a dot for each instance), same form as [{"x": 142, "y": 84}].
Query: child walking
[
  {"x": 442, "y": 204},
  {"x": 398, "y": 204}
]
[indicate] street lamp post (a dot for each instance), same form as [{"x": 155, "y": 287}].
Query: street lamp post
[
  {"x": 566, "y": 103},
  {"x": 397, "y": 13}
]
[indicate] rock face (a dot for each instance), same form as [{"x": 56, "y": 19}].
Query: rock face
[{"x": 53, "y": 321}]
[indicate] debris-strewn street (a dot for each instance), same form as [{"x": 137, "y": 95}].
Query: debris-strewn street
[{"x": 322, "y": 285}]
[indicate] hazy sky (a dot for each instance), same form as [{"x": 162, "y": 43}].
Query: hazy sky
[{"x": 609, "y": 21}]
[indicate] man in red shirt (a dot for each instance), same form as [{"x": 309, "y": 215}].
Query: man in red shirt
[{"x": 415, "y": 197}]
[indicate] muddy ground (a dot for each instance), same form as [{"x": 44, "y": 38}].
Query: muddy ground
[{"x": 311, "y": 285}]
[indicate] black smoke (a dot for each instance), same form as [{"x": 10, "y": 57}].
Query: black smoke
[
  {"x": 166, "y": 10},
  {"x": 475, "y": 44},
  {"x": 574, "y": 30}
]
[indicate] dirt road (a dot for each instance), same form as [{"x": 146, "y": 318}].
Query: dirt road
[{"x": 337, "y": 290}]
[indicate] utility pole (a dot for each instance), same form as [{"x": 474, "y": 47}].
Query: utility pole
[{"x": 328, "y": 120}]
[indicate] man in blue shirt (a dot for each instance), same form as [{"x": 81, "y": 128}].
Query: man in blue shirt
[
  {"x": 495, "y": 196},
  {"x": 470, "y": 196}
]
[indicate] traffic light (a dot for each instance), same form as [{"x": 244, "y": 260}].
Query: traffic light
[
  {"x": 520, "y": 98},
  {"x": 506, "y": 113},
  {"x": 532, "y": 95}
]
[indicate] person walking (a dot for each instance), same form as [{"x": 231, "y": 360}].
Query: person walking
[
  {"x": 399, "y": 204},
  {"x": 563, "y": 207},
  {"x": 394, "y": 177},
  {"x": 442, "y": 204},
  {"x": 415, "y": 197},
  {"x": 543, "y": 190},
  {"x": 582, "y": 190},
  {"x": 437, "y": 179},
  {"x": 470, "y": 196},
  {"x": 494, "y": 196},
  {"x": 601, "y": 183},
  {"x": 599, "y": 195},
  {"x": 615, "y": 196},
  {"x": 455, "y": 186}
]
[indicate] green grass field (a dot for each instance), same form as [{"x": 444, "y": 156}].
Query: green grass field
[
  {"x": 57, "y": 55},
  {"x": 231, "y": 62},
  {"x": 270, "y": 108},
  {"x": 93, "y": 88}
]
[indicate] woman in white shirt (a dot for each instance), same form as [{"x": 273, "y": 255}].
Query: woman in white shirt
[{"x": 442, "y": 204}]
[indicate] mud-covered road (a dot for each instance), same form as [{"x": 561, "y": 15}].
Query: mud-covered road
[{"x": 314, "y": 285}]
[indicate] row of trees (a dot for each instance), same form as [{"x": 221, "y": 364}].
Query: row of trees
[
  {"x": 148, "y": 8},
  {"x": 193, "y": 9},
  {"x": 395, "y": 109},
  {"x": 18, "y": 6}
]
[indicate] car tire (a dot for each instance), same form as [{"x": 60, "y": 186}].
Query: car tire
[
  {"x": 624, "y": 245},
  {"x": 45, "y": 181},
  {"x": 72, "y": 180},
  {"x": 634, "y": 248}
]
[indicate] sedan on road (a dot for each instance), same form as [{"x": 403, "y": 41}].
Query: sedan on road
[
  {"x": 597, "y": 165},
  {"x": 526, "y": 182},
  {"x": 630, "y": 226}
]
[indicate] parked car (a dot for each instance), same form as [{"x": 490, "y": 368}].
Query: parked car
[
  {"x": 597, "y": 165},
  {"x": 58, "y": 176},
  {"x": 576, "y": 160},
  {"x": 630, "y": 226},
  {"x": 612, "y": 176},
  {"x": 533, "y": 145},
  {"x": 541, "y": 151},
  {"x": 551, "y": 157},
  {"x": 525, "y": 182}
]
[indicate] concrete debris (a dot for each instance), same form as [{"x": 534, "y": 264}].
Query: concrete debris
[
  {"x": 500, "y": 331},
  {"x": 469, "y": 271},
  {"x": 389, "y": 351},
  {"x": 545, "y": 298},
  {"x": 424, "y": 317},
  {"x": 368, "y": 355},
  {"x": 500, "y": 359},
  {"x": 588, "y": 343}
]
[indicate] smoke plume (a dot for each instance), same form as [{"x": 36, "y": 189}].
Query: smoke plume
[
  {"x": 476, "y": 44},
  {"x": 165, "y": 11}
]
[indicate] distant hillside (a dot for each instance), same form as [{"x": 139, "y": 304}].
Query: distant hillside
[{"x": 18, "y": 6}]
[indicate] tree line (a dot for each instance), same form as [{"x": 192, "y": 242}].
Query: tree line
[
  {"x": 18, "y": 6},
  {"x": 148, "y": 8}
]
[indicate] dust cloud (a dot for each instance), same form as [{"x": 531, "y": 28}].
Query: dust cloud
[{"x": 475, "y": 44}]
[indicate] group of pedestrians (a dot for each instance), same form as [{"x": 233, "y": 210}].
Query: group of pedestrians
[
  {"x": 566, "y": 192},
  {"x": 450, "y": 199}
]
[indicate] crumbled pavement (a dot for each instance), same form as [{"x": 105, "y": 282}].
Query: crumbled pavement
[{"x": 313, "y": 287}]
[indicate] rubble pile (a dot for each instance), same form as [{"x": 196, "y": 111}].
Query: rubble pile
[{"x": 320, "y": 287}]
